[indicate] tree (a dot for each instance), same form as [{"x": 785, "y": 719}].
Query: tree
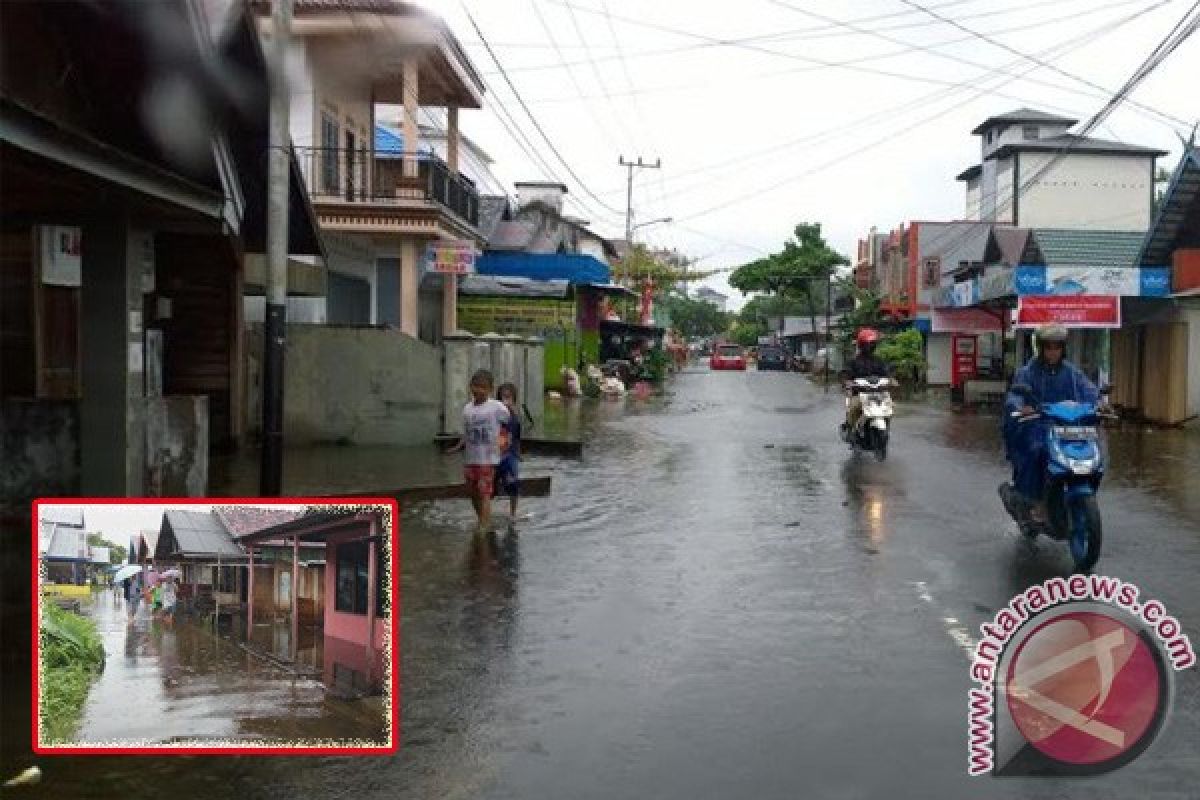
[
  {"x": 116, "y": 552},
  {"x": 641, "y": 264},
  {"x": 695, "y": 317},
  {"x": 903, "y": 352},
  {"x": 805, "y": 259}
]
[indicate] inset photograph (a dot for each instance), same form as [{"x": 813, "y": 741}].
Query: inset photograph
[{"x": 215, "y": 626}]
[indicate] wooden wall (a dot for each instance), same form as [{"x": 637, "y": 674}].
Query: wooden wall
[{"x": 202, "y": 337}]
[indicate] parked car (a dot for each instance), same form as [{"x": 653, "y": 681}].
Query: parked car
[
  {"x": 728, "y": 356},
  {"x": 772, "y": 357}
]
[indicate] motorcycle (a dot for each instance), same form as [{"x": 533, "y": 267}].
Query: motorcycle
[
  {"x": 874, "y": 424},
  {"x": 1074, "y": 468}
]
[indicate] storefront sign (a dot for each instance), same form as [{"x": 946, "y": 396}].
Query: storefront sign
[
  {"x": 965, "y": 320},
  {"x": 1117, "y": 281},
  {"x": 455, "y": 257},
  {"x": 1072, "y": 311}
]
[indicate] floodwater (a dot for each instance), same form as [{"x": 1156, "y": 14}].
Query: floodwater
[
  {"x": 719, "y": 601},
  {"x": 168, "y": 682}
]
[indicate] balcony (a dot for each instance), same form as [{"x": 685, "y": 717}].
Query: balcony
[{"x": 363, "y": 190}]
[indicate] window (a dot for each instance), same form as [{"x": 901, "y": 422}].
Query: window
[
  {"x": 352, "y": 578},
  {"x": 226, "y": 579},
  {"x": 989, "y": 137},
  {"x": 1029, "y": 131},
  {"x": 383, "y": 605},
  {"x": 330, "y": 177}
]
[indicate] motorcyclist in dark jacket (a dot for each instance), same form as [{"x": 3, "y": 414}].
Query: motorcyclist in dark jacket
[
  {"x": 864, "y": 365},
  {"x": 1053, "y": 379}
]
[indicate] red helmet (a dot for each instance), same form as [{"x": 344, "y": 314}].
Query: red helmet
[{"x": 867, "y": 336}]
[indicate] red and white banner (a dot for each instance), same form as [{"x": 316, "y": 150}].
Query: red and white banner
[
  {"x": 1071, "y": 311},
  {"x": 965, "y": 320}
]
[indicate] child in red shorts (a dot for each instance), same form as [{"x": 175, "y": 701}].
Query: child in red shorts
[{"x": 483, "y": 421}]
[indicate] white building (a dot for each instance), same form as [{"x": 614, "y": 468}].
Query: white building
[
  {"x": 1095, "y": 185},
  {"x": 712, "y": 297},
  {"x": 351, "y": 64}
]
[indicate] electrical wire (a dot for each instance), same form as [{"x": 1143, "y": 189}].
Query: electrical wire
[
  {"x": 825, "y": 165},
  {"x": 889, "y": 112},
  {"x": 532, "y": 118},
  {"x": 1052, "y": 67}
]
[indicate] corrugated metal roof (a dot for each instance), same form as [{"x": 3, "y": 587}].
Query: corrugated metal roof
[
  {"x": 68, "y": 544},
  {"x": 62, "y": 515},
  {"x": 1180, "y": 204},
  {"x": 195, "y": 533},
  {"x": 1056, "y": 247}
]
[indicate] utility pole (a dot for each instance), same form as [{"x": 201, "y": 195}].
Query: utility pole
[
  {"x": 630, "y": 166},
  {"x": 275, "y": 327},
  {"x": 828, "y": 332}
]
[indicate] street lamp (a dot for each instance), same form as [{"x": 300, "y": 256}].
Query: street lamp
[{"x": 659, "y": 221}]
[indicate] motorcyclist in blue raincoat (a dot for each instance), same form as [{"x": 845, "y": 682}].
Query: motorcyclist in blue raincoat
[{"x": 1053, "y": 380}]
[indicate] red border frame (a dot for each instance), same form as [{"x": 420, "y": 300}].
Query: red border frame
[{"x": 68, "y": 750}]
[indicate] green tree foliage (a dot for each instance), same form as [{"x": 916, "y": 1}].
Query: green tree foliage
[
  {"x": 641, "y": 264},
  {"x": 799, "y": 270},
  {"x": 116, "y": 552},
  {"x": 903, "y": 351},
  {"x": 746, "y": 333},
  {"x": 865, "y": 314},
  {"x": 695, "y": 317}
]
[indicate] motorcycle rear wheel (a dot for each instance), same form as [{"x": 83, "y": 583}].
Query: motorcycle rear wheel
[{"x": 1085, "y": 511}]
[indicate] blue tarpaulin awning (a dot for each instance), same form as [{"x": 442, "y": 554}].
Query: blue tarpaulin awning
[{"x": 573, "y": 267}]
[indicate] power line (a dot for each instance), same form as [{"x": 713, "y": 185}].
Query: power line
[
  {"x": 571, "y": 75},
  {"x": 825, "y": 165},
  {"x": 941, "y": 94},
  {"x": 1053, "y": 68},
  {"x": 908, "y": 48},
  {"x": 796, "y": 34},
  {"x": 537, "y": 125},
  {"x": 767, "y": 51},
  {"x": 1185, "y": 27}
]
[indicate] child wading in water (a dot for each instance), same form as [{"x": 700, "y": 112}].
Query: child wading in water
[
  {"x": 507, "y": 473},
  {"x": 483, "y": 419}
]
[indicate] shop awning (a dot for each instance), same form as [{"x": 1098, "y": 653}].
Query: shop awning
[
  {"x": 575, "y": 268},
  {"x": 509, "y": 286}
]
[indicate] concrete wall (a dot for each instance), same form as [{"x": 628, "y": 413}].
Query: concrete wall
[
  {"x": 351, "y": 384},
  {"x": 177, "y": 446},
  {"x": 1086, "y": 191},
  {"x": 1192, "y": 362},
  {"x": 39, "y": 451}
]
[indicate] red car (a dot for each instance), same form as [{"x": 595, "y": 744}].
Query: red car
[{"x": 728, "y": 356}]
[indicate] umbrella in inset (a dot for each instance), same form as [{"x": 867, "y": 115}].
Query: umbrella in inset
[{"x": 127, "y": 571}]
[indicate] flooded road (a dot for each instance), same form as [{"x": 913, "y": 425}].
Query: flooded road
[
  {"x": 164, "y": 683},
  {"x": 718, "y": 601}
]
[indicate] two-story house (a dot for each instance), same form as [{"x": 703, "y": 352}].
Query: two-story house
[
  {"x": 1033, "y": 173},
  {"x": 351, "y": 64}
]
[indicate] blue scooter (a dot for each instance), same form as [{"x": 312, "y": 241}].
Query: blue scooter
[{"x": 1074, "y": 468}]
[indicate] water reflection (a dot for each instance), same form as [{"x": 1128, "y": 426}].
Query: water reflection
[{"x": 869, "y": 494}]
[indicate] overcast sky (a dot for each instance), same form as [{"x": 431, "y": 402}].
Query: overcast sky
[
  {"x": 118, "y": 522},
  {"x": 758, "y": 135}
]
